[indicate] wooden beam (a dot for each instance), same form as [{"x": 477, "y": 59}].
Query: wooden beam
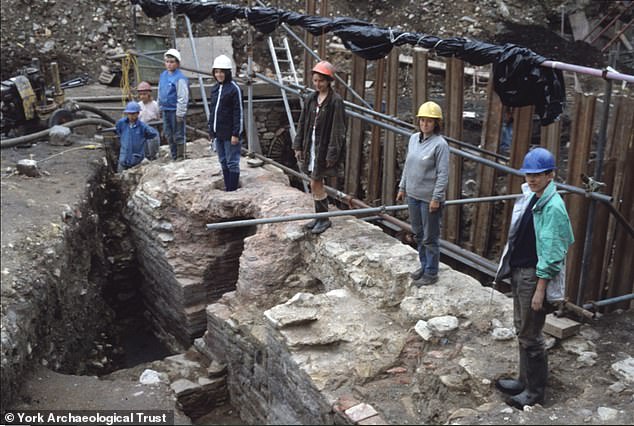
[
  {"x": 618, "y": 263},
  {"x": 354, "y": 148},
  {"x": 454, "y": 87},
  {"x": 309, "y": 39},
  {"x": 577, "y": 206},
  {"x": 389, "y": 152},
  {"x": 374, "y": 168},
  {"x": 419, "y": 77},
  {"x": 490, "y": 140},
  {"x": 522, "y": 131},
  {"x": 550, "y": 138}
]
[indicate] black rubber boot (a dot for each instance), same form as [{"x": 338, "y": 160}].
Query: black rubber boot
[
  {"x": 512, "y": 386},
  {"x": 234, "y": 179},
  {"x": 321, "y": 206},
  {"x": 180, "y": 152},
  {"x": 311, "y": 224},
  {"x": 536, "y": 378},
  {"x": 225, "y": 178}
]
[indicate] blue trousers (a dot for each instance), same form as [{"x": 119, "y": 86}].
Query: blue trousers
[
  {"x": 174, "y": 133},
  {"x": 229, "y": 155},
  {"x": 426, "y": 227}
]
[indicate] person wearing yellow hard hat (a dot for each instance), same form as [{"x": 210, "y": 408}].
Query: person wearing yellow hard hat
[
  {"x": 424, "y": 183},
  {"x": 320, "y": 139},
  {"x": 173, "y": 96}
]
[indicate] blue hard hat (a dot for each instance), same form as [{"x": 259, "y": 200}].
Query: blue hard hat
[
  {"x": 538, "y": 160},
  {"x": 132, "y": 107}
]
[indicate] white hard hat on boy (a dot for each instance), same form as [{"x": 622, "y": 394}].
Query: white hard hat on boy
[
  {"x": 173, "y": 52},
  {"x": 222, "y": 62}
]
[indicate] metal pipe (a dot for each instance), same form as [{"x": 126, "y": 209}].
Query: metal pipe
[
  {"x": 609, "y": 301},
  {"x": 587, "y": 70},
  {"x": 203, "y": 95},
  {"x": 351, "y": 212},
  {"x": 8, "y": 143}
]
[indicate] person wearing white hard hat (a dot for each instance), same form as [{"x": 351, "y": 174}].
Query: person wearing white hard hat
[
  {"x": 226, "y": 120},
  {"x": 133, "y": 136},
  {"x": 321, "y": 138},
  {"x": 173, "y": 96},
  {"x": 534, "y": 258},
  {"x": 424, "y": 183}
]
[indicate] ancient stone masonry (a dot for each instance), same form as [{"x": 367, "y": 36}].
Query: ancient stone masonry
[{"x": 304, "y": 320}]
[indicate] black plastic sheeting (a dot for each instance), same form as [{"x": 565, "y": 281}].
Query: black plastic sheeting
[{"x": 518, "y": 78}]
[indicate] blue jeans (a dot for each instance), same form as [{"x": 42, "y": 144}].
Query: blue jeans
[
  {"x": 229, "y": 155},
  {"x": 426, "y": 227},
  {"x": 174, "y": 133}
]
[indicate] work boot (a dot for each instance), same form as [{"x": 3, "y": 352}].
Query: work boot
[
  {"x": 321, "y": 206},
  {"x": 426, "y": 280},
  {"x": 180, "y": 152},
  {"x": 311, "y": 224},
  {"x": 225, "y": 178},
  {"x": 234, "y": 179},
  {"x": 417, "y": 274},
  {"x": 536, "y": 378},
  {"x": 512, "y": 386}
]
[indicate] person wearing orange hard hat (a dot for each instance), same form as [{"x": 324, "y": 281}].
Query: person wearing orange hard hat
[
  {"x": 424, "y": 183},
  {"x": 320, "y": 139},
  {"x": 149, "y": 112}
]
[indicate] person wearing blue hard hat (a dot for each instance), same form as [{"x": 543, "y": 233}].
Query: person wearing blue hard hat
[
  {"x": 535, "y": 259},
  {"x": 133, "y": 136}
]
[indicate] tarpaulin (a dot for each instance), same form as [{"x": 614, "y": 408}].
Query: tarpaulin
[{"x": 518, "y": 78}]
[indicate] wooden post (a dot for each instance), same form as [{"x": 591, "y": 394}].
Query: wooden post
[
  {"x": 522, "y": 130},
  {"x": 323, "y": 11},
  {"x": 578, "y": 156},
  {"x": 617, "y": 266},
  {"x": 309, "y": 61},
  {"x": 454, "y": 86},
  {"x": 389, "y": 153},
  {"x": 374, "y": 168},
  {"x": 550, "y": 138},
  {"x": 419, "y": 79},
  {"x": 490, "y": 140},
  {"x": 354, "y": 151}
]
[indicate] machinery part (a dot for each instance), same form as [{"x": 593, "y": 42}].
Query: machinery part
[
  {"x": 430, "y": 109},
  {"x": 60, "y": 116},
  {"x": 75, "y": 106},
  {"x": 20, "y": 97}
]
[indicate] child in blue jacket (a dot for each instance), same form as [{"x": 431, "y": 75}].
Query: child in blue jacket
[
  {"x": 225, "y": 121},
  {"x": 134, "y": 135}
]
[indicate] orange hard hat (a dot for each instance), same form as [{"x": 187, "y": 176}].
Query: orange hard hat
[
  {"x": 143, "y": 86},
  {"x": 325, "y": 68}
]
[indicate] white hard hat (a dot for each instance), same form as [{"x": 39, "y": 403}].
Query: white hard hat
[
  {"x": 222, "y": 62},
  {"x": 173, "y": 52}
]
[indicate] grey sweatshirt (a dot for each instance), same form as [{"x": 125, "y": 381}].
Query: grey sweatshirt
[{"x": 426, "y": 170}]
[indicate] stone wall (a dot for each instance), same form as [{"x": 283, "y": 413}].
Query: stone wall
[{"x": 318, "y": 329}]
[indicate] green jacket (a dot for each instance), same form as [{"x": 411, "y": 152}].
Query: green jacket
[{"x": 553, "y": 236}]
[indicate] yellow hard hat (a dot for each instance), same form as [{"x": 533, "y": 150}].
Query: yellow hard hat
[{"x": 430, "y": 110}]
